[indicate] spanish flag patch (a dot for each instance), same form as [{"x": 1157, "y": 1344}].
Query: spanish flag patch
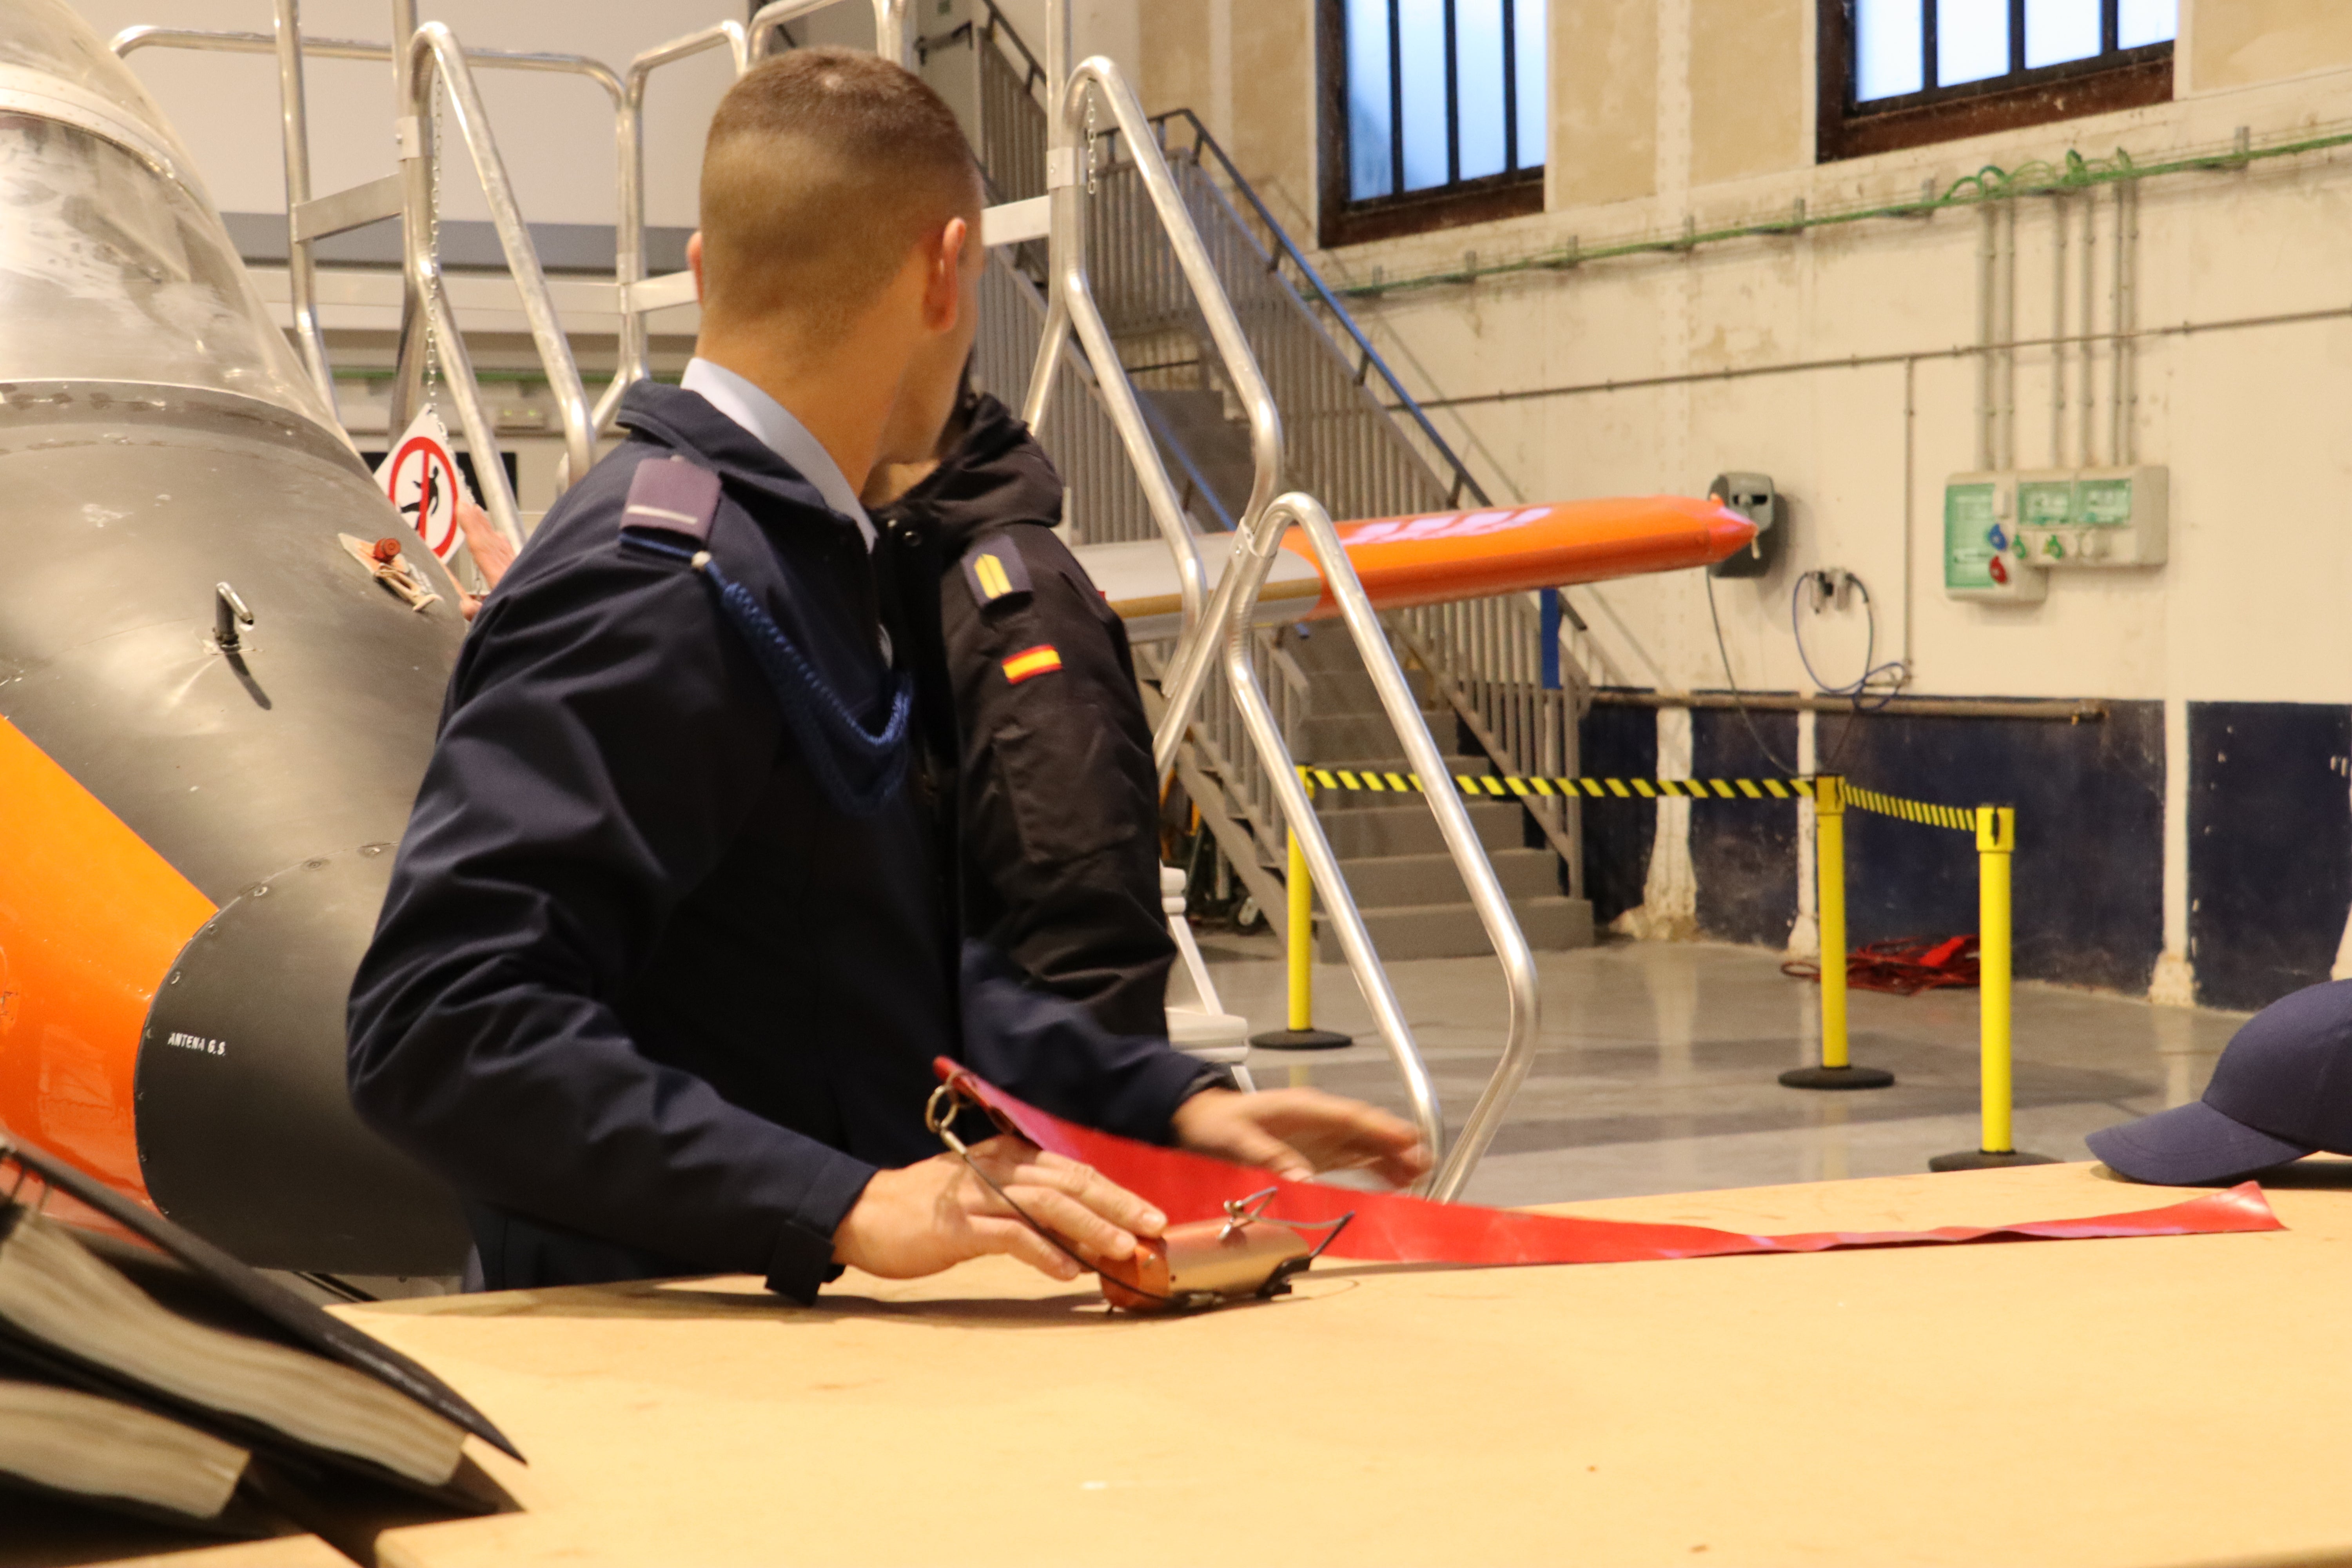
[{"x": 1031, "y": 662}]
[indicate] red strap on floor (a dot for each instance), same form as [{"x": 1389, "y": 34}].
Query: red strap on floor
[
  {"x": 1394, "y": 1228},
  {"x": 1902, "y": 965}
]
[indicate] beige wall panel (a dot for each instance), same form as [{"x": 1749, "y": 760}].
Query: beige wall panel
[
  {"x": 1604, "y": 97},
  {"x": 1274, "y": 107},
  {"x": 1175, "y": 65},
  {"x": 2236, "y": 42},
  {"x": 1747, "y": 87}
]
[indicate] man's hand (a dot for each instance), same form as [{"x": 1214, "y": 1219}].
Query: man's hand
[
  {"x": 491, "y": 552},
  {"x": 932, "y": 1216},
  {"x": 1295, "y": 1133}
]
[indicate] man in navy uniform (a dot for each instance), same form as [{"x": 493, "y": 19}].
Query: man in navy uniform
[
  {"x": 1056, "y": 803},
  {"x": 667, "y": 953}
]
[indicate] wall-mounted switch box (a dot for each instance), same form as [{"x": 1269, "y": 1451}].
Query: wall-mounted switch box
[
  {"x": 2094, "y": 517},
  {"x": 1753, "y": 496},
  {"x": 1981, "y": 558}
]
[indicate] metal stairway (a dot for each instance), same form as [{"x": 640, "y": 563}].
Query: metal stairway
[
  {"x": 1412, "y": 896},
  {"x": 1340, "y": 441}
]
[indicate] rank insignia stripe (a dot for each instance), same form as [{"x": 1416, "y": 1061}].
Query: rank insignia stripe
[
  {"x": 1032, "y": 662},
  {"x": 995, "y": 574}
]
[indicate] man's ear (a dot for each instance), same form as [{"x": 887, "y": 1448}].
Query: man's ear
[
  {"x": 693, "y": 262},
  {"x": 943, "y": 288}
]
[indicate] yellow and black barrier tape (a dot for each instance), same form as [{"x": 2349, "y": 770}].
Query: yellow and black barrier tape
[
  {"x": 1504, "y": 786},
  {"x": 1508, "y": 787},
  {"x": 1959, "y": 818}
]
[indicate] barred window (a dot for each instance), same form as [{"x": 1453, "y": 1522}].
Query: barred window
[
  {"x": 1438, "y": 100},
  {"x": 1905, "y": 72}
]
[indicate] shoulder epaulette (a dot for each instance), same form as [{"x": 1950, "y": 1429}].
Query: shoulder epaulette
[
  {"x": 672, "y": 503},
  {"x": 672, "y": 495},
  {"x": 995, "y": 574}
]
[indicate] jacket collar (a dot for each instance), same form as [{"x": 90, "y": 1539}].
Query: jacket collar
[
  {"x": 996, "y": 474},
  {"x": 685, "y": 422}
]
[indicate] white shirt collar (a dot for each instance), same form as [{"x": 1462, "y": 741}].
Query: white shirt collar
[{"x": 786, "y": 436}]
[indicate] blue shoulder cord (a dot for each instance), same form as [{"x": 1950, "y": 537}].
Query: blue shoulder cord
[{"x": 820, "y": 721}]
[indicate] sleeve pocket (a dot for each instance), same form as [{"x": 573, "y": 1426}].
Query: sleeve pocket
[{"x": 1065, "y": 789}]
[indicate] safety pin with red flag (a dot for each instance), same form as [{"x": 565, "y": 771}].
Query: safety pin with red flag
[{"x": 1392, "y": 1228}]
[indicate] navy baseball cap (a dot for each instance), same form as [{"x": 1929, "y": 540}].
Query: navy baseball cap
[{"x": 2281, "y": 1089}]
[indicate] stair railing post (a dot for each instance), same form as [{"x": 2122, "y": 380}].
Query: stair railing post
[
  {"x": 433, "y": 52},
  {"x": 301, "y": 273},
  {"x": 1254, "y": 552},
  {"x": 413, "y": 139},
  {"x": 1074, "y": 298}
]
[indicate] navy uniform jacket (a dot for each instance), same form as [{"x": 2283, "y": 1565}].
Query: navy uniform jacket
[
  {"x": 639, "y": 991},
  {"x": 1058, "y": 803}
]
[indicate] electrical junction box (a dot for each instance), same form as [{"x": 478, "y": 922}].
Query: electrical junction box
[
  {"x": 1753, "y": 496},
  {"x": 2094, "y": 518},
  {"x": 1981, "y": 558}
]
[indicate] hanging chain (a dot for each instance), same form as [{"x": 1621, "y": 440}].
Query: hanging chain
[
  {"x": 433, "y": 242},
  {"x": 1094, "y": 184}
]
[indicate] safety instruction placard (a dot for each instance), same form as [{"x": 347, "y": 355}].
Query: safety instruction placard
[
  {"x": 421, "y": 479},
  {"x": 1972, "y": 540}
]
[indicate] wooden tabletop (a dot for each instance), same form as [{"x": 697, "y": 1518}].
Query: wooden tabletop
[{"x": 2170, "y": 1400}]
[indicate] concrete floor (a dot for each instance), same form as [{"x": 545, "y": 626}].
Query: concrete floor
[{"x": 1657, "y": 1066}]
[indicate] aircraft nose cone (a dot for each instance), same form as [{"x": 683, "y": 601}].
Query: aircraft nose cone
[{"x": 1728, "y": 532}]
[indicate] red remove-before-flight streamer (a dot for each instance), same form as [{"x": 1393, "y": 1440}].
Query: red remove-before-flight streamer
[{"x": 1394, "y": 1228}]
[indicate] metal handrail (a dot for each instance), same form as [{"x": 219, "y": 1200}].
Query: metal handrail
[
  {"x": 294, "y": 128},
  {"x": 435, "y": 49},
  {"x": 892, "y": 40},
  {"x": 1253, "y": 557},
  {"x": 1072, "y": 306},
  {"x": 633, "y": 361},
  {"x": 291, "y": 47},
  {"x": 1288, "y": 248},
  {"x": 998, "y": 24},
  {"x": 146, "y": 38}
]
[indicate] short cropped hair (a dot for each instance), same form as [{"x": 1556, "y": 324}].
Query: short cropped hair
[{"x": 823, "y": 168}]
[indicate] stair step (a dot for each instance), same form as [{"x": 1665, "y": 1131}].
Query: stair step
[
  {"x": 1367, "y": 734},
  {"x": 1219, "y": 447},
  {"x": 1351, "y": 690},
  {"x": 1376, "y": 832},
  {"x": 1392, "y": 880},
  {"x": 1551, "y": 924}
]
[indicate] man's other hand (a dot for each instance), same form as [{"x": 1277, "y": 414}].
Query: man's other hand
[
  {"x": 1298, "y": 1132},
  {"x": 491, "y": 552},
  {"x": 932, "y": 1216}
]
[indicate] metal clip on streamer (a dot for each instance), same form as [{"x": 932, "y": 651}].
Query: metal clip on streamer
[{"x": 1245, "y": 1253}]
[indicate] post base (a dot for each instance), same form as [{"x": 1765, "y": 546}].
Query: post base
[
  {"x": 1837, "y": 1078},
  {"x": 1300, "y": 1040},
  {"x": 1988, "y": 1160}
]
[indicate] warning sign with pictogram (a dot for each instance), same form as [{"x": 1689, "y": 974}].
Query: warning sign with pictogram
[{"x": 421, "y": 479}]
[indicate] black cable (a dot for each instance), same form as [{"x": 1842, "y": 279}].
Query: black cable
[
  {"x": 1729, "y": 680},
  {"x": 1855, "y": 690}
]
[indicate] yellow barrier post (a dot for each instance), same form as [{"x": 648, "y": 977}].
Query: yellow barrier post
[
  {"x": 1298, "y": 892},
  {"x": 1836, "y": 1070},
  {"x": 1996, "y": 843}
]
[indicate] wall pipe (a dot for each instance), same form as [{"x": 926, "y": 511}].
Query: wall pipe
[
  {"x": 1990, "y": 185},
  {"x": 2062, "y": 709},
  {"x": 1907, "y": 356}
]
